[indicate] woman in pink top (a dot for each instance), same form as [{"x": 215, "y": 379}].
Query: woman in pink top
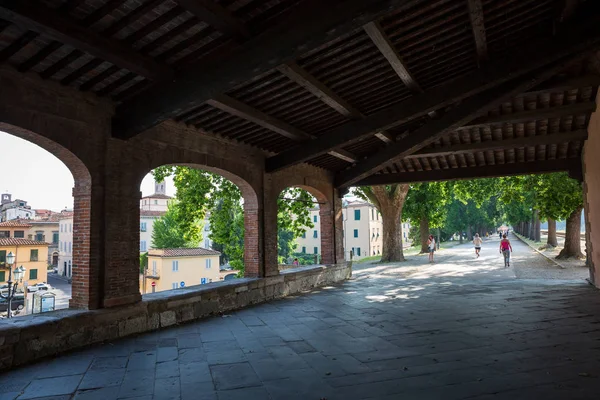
[{"x": 505, "y": 249}]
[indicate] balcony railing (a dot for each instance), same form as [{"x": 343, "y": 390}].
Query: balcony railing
[{"x": 153, "y": 274}]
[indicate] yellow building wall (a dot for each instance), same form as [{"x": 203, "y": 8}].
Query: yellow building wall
[
  {"x": 23, "y": 254},
  {"x": 191, "y": 271}
]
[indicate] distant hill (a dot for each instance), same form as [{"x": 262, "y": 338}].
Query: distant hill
[{"x": 562, "y": 225}]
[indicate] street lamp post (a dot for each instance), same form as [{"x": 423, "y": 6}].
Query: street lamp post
[{"x": 12, "y": 290}]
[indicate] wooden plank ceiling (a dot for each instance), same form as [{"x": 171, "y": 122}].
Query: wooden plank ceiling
[{"x": 375, "y": 91}]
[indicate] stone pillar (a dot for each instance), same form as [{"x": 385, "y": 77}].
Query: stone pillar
[
  {"x": 591, "y": 190},
  {"x": 338, "y": 228},
  {"x": 327, "y": 217},
  {"x": 87, "y": 288},
  {"x": 271, "y": 263}
]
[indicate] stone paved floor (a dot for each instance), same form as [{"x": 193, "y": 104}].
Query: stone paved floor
[{"x": 460, "y": 328}]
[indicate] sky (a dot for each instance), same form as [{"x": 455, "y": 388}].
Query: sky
[{"x": 31, "y": 173}]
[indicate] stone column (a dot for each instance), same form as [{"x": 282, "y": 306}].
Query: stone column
[
  {"x": 271, "y": 263},
  {"x": 591, "y": 190},
  {"x": 253, "y": 251}
]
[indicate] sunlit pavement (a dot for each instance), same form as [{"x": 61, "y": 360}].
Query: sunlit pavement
[{"x": 460, "y": 328}]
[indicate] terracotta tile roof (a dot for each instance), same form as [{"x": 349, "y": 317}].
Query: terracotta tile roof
[
  {"x": 21, "y": 242},
  {"x": 65, "y": 215},
  {"x": 150, "y": 213},
  {"x": 157, "y": 196},
  {"x": 16, "y": 223},
  {"x": 183, "y": 252}
]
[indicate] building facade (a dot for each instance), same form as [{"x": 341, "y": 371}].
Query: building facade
[
  {"x": 147, "y": 220},
  {"x": 14, "y": 209},
  {"x": 159, "y": 201},
  {"x": 176, "y": 268},
  {"x": 65, "y": 244},
  {"x": 362, "y": 233},
  {"x": 38, "y": 230},
  {"x": 31, "y": 254}
]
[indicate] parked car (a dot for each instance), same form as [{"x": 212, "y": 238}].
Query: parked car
[
  {"x": 38, "y": 286},
  {"x": 18, "y": 302}
]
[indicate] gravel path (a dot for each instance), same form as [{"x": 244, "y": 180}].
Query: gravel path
[{"x": 460, "y": 262}]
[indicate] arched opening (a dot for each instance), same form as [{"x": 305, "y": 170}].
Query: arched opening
[
  {"x": 304, "y": 227},
  {"x": 198, "y": 225},
  {"x": 52, "y": 203}
]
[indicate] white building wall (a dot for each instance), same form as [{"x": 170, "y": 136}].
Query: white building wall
[
  {"x": 310, "y": 242},
  {"x": 19, "y": 212},
  {"x": 65, "y": 247},
  {"x": 146, "y": 228}
]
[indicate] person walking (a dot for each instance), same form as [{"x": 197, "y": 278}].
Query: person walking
[
  {"x": 505, "y": 249},
  {"x": 431, "y": 246},
  {"x": 477, "y": 242}
]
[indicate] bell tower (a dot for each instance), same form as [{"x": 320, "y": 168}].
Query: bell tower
[{"x": 159, "y": 188}]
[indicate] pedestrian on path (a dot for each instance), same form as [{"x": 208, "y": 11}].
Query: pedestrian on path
[
  {"x": 431, "y": 245},
  {"x": 477, "y": 242},
  {"x": 505, "y": 249}
]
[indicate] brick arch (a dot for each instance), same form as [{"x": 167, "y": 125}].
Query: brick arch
[
  {"x": 85, "y": 276},
  {"x": 237, "y": 174}
]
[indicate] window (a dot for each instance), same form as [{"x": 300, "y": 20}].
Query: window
[
  {"x": 155, "y": 201},
  {"x": 70, "y": 247},
  {"x": 19, "y": 234},
  {"x": 60, "y": 246},
  {"x": 154, "y": 267},
  {"x": 315, "y": 234},
  {"x": 357, "y": 215},
  {"x": 33, "y": 255},
  {"x": 39, "y": 236},
  {"x": 33, "y": 273},
  {"x": 315, "y": 218},
  {"x": 143, "y": 245},
  {"x": 206, "y": 243},
  {"x": 70, "y": 227},
  {"x": 372, "y": 213},
  {"x": 208, "y": 263},
  {"x": 174, "y": 285},
  {"x": 61, "y": 227},
  {"x": 2, "y": 256},
  {"x": 358, "y": 251},
  {"x": 143, "y": 226},
  {"x": 304, "y": 235},
  {"x": 356, "y": 233},
  {"x": 303, "y": 249},
  {"x": 2, "y": 276},
  {"x": 316, "y": 250},
  {"x": 54, "y": 237},
  {"x": 175, "y": 266},
  {"x": 4, "y": 234}
]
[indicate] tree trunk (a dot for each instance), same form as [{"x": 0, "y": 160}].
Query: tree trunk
[
  {"x": 469, "y": 233},
  {"x": 537, "y": 234},
  {"x": 424, "y": 234},
  {"x": 572, "y": 236},
  {"x": 460, "y": 237},
  {"x": 552, "y": 241},
  {"x": 437, "y": 242},
  {"x": 390, "y": 203}
]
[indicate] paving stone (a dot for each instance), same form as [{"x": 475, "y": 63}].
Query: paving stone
[
  {"x": 137, "y": 383},
  {"x": 233, "y": 376},
  {"x": 51, "y": 386},
  {"x": 167, "y": 389},
  {"x": 142, "y": 360},
  {"x": 191, "y": 355},
  {"x": 104, "y": 393},
  {"x": 228, "y": 357},
  {"x": 109, "y": 362},
  {"x": 167, "y": 354},
  {"x": 252, "y": 393},
  {"x": 101, "y": 378},
  {"x": 168, "y": 369},
  {"x": 301, "y": 347}
]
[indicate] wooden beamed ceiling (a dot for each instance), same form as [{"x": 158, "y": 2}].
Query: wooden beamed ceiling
[{"x": 366, "y": 89}]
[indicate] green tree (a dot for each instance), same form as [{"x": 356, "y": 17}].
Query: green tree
[
  {"x": 168, "y": 232},
  {"x": 389, "y": 200},
  {"x": 426, "y": 204},
  {"x": 293, "y": 219}
]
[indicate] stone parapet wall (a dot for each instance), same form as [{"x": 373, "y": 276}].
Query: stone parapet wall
[{"x": 29, "y": 338}]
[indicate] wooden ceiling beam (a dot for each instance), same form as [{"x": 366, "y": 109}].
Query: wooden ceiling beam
[
  {"x": 530, "y": 57},
  {"x": 241, "y": 110},
  {"x": 450, "y": 121},
  {"x": 39, "y": 18},
  {"x": 385, "y": 137},
  {"x": 533, "y": 115},
  {"x": 478, "y": 26},
  {"x": 490, "y": 145},
  {"x": 386, "y": 47},
  {"x": 297, "y": 74},
  {"x": 286, "y": 41},
  {"x": 216, "y": 16},
  {"x": 488, "y": 171}
]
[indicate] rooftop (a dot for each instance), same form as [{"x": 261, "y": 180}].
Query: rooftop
[
  {"x": 16, "y": 223},
  {"x": 150, "y": 213},
  {"x": 183, "y": 252},
  {"x": 21, "y": 242},
  {"x": 157, "y": 196}
]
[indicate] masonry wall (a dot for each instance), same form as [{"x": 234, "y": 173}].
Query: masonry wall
[
  {"x": 29, "y": 338},
  {"x": 591, "y": 189},
  {"x": 76, "y": 128}
]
